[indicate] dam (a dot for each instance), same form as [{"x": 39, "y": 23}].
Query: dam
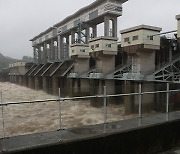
[{"x": 72, "y": 61}]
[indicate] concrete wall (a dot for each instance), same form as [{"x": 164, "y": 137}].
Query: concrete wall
[{"x": 149, "y": 139}]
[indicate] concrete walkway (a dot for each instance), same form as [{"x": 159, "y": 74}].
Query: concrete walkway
[{"x": 33, "y": 141}]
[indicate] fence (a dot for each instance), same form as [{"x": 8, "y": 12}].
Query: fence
[{"x": 14, "y": 125}]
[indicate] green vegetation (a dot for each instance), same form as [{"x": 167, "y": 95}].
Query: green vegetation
[{"x": 5, "y": 61}]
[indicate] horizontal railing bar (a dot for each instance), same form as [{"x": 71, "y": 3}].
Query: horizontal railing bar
[
  {"x": 84, "y": 97},
  {"x": 166, "y": 91},
  {"x": 29, "y": 102},
  {"x": 153, "y": 92}
]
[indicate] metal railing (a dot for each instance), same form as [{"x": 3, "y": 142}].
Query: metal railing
[
  {"x": 162, "y": 65},
  {"x": 104, "y": 96}
]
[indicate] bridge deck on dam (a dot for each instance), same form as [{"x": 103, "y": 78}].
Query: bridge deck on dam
[{"x": 51, "y": 142}]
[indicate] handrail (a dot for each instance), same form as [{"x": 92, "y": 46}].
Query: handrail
[
  {"x": 104, "y": 95},
  {"x": 86, "y": 97}
]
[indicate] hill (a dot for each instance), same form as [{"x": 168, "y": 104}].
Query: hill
[{"x": 5, "y": 61}]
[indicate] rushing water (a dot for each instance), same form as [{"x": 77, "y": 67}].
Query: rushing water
[{"x": 41, "y": 117}]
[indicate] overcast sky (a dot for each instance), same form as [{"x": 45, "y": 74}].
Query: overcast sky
[{"x": 21, "y": 20}]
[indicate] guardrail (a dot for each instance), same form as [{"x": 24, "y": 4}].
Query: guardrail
[{"x": 104, "y": 96}]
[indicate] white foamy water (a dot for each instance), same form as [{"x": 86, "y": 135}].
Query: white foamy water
[{"x": 42, "y": 117}]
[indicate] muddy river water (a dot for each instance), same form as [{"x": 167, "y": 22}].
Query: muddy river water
[{"x": 42, "y": 117}]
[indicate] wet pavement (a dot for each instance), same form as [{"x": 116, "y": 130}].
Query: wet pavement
[
  {"x": 172, "y": 152},
  {"x": 20, "y": 143}
]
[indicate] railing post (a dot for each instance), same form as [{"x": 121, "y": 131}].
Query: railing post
[
  {"x": 60, "y": 110},
  {"x": 167, "y": 98},
  {"x": 2, "y": 109},
  {"x": 140, "y": 100},
  {"x": 105, "y": 108}
]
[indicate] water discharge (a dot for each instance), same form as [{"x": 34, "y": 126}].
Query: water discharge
[{"x": 42, "y": 117}]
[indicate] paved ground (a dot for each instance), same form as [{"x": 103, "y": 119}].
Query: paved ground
[
  {"x": 64, "y": 136},
  {"x": 172, "y": 152}
]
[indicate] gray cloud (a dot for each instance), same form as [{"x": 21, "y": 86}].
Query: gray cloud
[{"x": 21, "y": 20}]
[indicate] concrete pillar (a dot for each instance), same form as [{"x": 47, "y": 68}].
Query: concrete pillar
[
  {"x": 66, "y": 54},
  {"x": 10, "y": 78},
  {"x": 35, "y": 55},
  {"x": 15, "y": 79},
  {"x": 79, "y": 37},
  {"x": 105, "y": 64},
  {"x": 80, "y": 86},
  {"x": 75, "y": 87},
  {"x": 110, "y": 90},
  {"x": 146, "y": 61},
  {"x": 55, "y": 85},
  {"x": 129, "y": 100},
  {"x": 45, "y": 52},
  {"x": 132, "y": 102},
  {"x": 37, "y": 83},
  {"x": 25, "y": 81},
  {"x": 135, "y": 98},
  {"x": 60, "y": 47},
  {"x": 87, "y": 34},
  {"x": 85, "y": 87},
  {"x": 94, "y": 28},
  {"x": 114, "y": 27},
  {"x": 148, "y": 101},
  {"x": 96, "y": 89},
  {"x": 106, "y": 26},
  {"x": 20, "y": 80},
  {"x": 49, "y": 85},
  {"x": 45, "y": 84},
  {"x": 49, "y": 52},
  {"x": 39, "y": 55},
  {"x": 110, "y": 86},
  {"x": 56, "y": 53},
  {"x": 72, "y": 37},
  {"x": 31, "y": 82},
  {"x": 52, "y": 49},
  {"x": 107, "y": 31}
]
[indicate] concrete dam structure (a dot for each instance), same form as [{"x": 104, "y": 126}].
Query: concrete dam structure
[{"x": 72, "y": 56}]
